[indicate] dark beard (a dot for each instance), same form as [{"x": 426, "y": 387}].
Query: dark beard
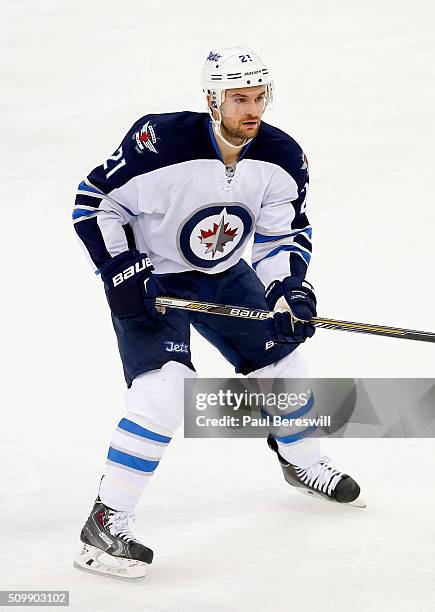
[{"x": 239, "y": 134}]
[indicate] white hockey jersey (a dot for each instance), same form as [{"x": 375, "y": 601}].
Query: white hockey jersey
[{"x": 166, "y": 191}]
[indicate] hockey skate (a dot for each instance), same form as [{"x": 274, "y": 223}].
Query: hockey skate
[
  {"x": 109, "y": 547},
  {"x": 320, "y": 480}
]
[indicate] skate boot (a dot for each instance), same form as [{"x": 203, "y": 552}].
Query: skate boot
[
  {"x": 320, "y": 479},
  {"x": 109, "y": 547}
]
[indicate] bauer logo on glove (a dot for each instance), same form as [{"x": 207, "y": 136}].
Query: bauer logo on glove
[
  {"x": 131, "y": 288},
  {"x": 139, "y": 266}
]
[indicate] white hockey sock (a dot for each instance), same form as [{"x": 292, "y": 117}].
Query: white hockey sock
[
  {"x": 303, "y": 453},
  {"x": 154, "y": 410},
  {"x": 306, "y": 451}
]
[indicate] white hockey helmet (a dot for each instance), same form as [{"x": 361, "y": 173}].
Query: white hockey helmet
[{"x": 232, "y": 68}]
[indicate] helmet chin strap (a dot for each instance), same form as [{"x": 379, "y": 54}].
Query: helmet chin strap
[{"x": 217, "y": 126}]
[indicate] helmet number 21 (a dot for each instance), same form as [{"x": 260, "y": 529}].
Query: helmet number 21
[{"x": 245, "y": 58}]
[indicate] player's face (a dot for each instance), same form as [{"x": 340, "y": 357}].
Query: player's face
[{"x": 241, "y": 112}]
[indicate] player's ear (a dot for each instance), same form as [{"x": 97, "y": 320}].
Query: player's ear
[{"x": 212, "y": 107}]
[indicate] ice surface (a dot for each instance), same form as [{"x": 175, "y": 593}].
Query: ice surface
[{"x": 355, "y": 85}]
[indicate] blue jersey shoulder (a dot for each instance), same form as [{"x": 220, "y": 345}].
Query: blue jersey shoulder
[
  {"x": 174, "y": 121},
  {"x": 153, "y": 142},
  {"x": 169, "y": 135},
  {"x": 276, "y": 147}
]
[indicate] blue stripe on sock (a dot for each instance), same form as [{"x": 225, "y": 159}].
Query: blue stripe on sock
[
  {"x": 295, "y": 437},
  {"x": 143, "y": 465},
  {"x": 136, "y": 429}
]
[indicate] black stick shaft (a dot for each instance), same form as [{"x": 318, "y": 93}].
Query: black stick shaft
[{"x": 260, "y": 315}]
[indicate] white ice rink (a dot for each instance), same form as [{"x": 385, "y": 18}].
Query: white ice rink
[{"x": 355, "y": 86}]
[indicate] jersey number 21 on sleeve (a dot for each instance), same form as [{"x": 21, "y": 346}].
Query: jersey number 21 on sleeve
[{"x": 117, "y": 158}]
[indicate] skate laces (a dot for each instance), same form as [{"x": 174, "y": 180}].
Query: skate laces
[
  {"x": 320, "y": 476},
  {"x": 117, "y": 525}
]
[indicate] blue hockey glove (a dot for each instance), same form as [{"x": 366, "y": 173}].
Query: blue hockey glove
[
  {"x": 293, "y": 304},
  {"x": 131, "y": 288}
]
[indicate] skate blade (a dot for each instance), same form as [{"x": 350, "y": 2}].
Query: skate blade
[
  {"x": 356, "y": 503},
  {"x": 96, "y": 561}
]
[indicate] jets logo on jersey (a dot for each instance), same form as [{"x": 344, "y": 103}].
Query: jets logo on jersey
[
  {"x": 216, "y": 238},
  {"x": 214, "y": 233},
  {"x": 172, "y": 347},
  {"x": 146, "y": 138}
]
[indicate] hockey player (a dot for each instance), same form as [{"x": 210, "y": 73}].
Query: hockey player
[{"x": 169, "y": 213}]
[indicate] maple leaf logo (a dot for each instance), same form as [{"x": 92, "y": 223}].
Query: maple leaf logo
[{"x": 216, "y": 238}]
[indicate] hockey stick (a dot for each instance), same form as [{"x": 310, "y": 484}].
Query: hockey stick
[{"x": 254, "y": 314}]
